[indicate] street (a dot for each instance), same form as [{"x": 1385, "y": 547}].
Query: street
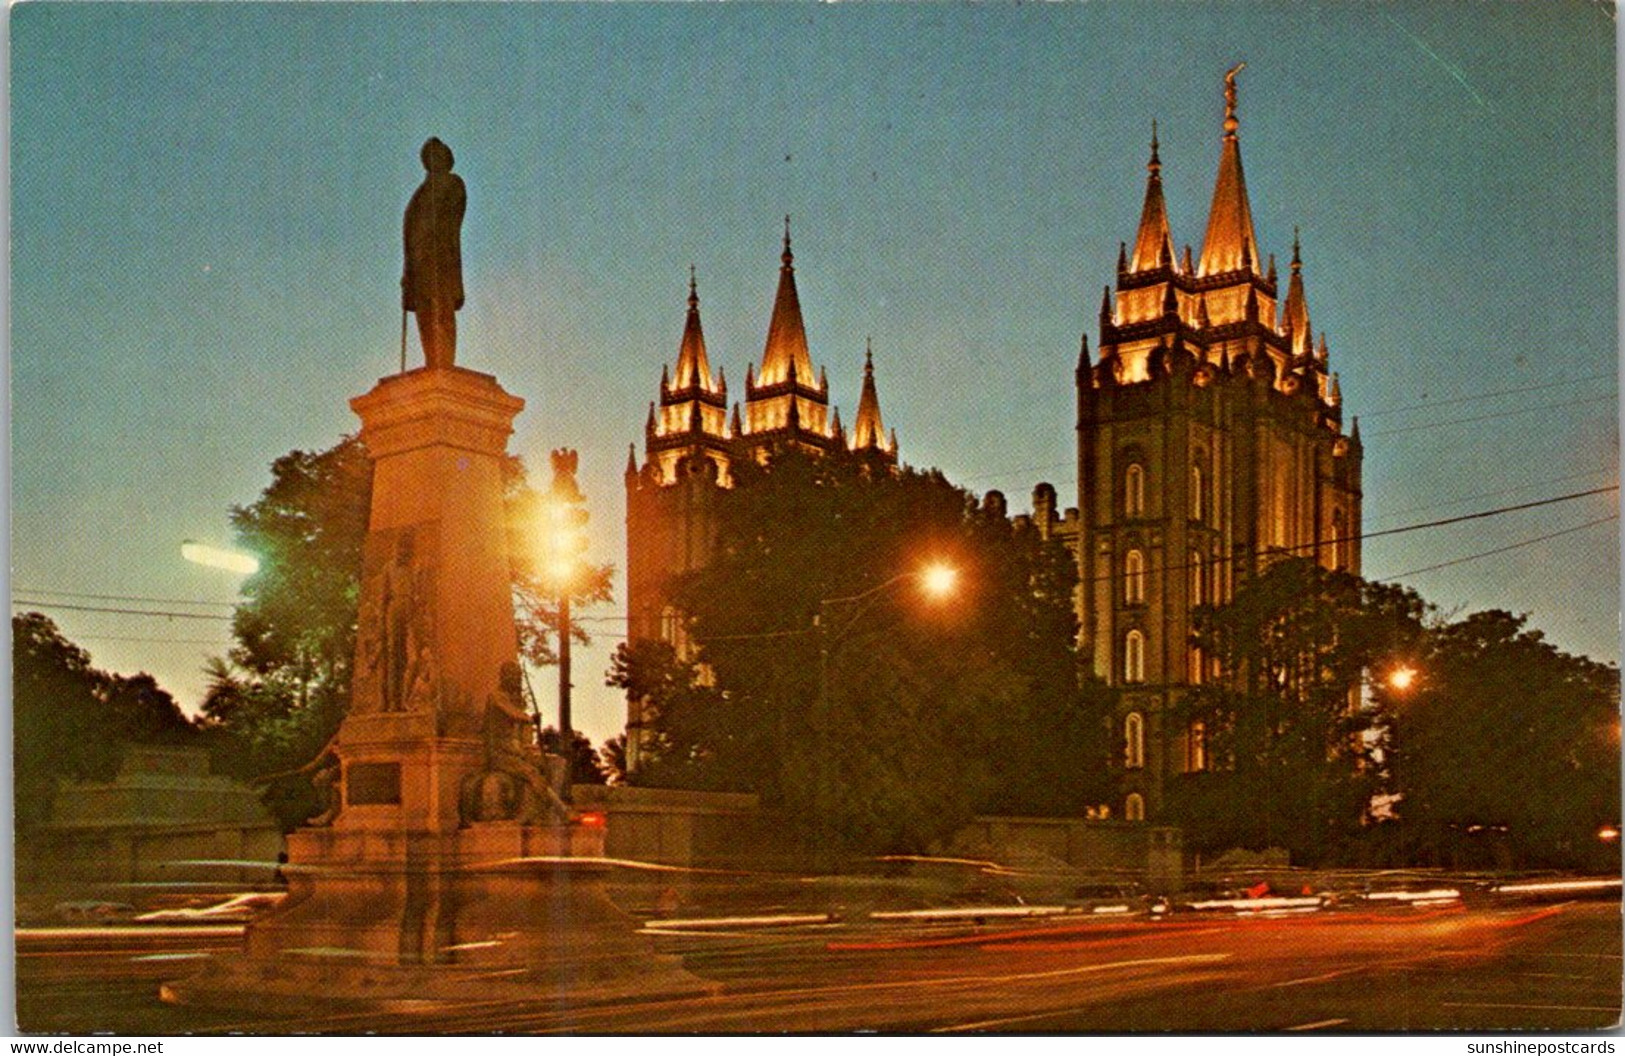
[{"x": 1496, "y": 967}]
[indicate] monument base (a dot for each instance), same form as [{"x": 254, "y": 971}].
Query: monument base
[{"x": 498, "y": 913}]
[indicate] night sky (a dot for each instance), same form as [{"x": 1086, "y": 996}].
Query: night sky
[{"x": 206, "y": 206}]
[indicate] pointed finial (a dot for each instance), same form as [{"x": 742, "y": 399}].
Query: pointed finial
[
  {"x": 1297, "y": 258},
  {"x": 1202, "y": 319},
  {"x": 1155, "y": 164},
  {"x": 631, "y": 459},
  {"x": 738, "y": 429},
  {"x": 1188, "y": 266},
  {"x": 1230, "y": 122},
  {"x": 1323, "y": 344},
  {"x": 649, "y": 425},
  {"x": 1122, "y": 257},
  {"x": 869, "y": 355},
  {"x": 722, "y": 380},
  {"x": 693, "y": 288},
  {"x": 1083, "y": 354},
  {"x": 1356, "y": 430},
  {"x": 1271, "y": 274},
  {"x": 788, "y": 257}
]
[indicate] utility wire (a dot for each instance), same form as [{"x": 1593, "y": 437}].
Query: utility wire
[
  {"x": 157, "y": 641},
  {"x": 1498, "y": 414},
  {"x": 121, "y": 612},
  {"x": 1492, "y": 494},
  {"x": 124, "y": 597},
  {"x": 1107, "y": 577},
  {"x": 1504, "y": 549},
  {"x": 1430, "y": 404}
]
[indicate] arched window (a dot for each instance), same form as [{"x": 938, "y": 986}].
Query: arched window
[
  {"x": 1196, "y": 746},
  {"x": 1134, "y": 741},
  {"x": 1197, "y": 666},
  {"x": 1133, "y": 578},
  {"x": 1198, "y": 490},
  {"x": 1198, "y": 572},
  {"x": 1134, "y": 807},
  {"x": 1134, "y": 490},
  {"x": 1134, "y": 657}
]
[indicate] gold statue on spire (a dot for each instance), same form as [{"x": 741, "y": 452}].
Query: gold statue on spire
[{"x": 1230, "y": 122}]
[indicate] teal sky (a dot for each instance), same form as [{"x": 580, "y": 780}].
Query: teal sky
[{"x": 205, "y": 221}]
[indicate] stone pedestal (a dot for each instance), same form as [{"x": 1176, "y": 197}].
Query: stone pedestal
[{"x": 446, "y": 869}]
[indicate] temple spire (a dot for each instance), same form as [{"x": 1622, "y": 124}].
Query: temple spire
[
  {"x": 693, "y": 367},
  {"x": 1153, "y": 245},
  {"x": 1230, "y": 243},
  {"x": 867, "y": 430},
  {"x": 786, "y": 334},
  {"x": 1295, "y": 310}
]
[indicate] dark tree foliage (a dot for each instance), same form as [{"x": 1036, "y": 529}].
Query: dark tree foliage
[
  {"x": 1504, "y": 741},
  {"x": 280, "y": 695},
  {"x": 71, "y": 721},
  {"x": 880, "y": 717},
  {"x": 1295, "y": 750},
  {"x": 585, "y": 768}
]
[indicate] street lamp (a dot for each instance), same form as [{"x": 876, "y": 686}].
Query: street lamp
[
  {"x": 938, "y": 581},
  {"x": 216, "y": 557},
  {"x": 564, "y": 545},
  {"x": 1401, "y": 678}
]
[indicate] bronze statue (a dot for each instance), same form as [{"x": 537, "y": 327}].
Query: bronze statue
[{"x": 432, "y": 283}]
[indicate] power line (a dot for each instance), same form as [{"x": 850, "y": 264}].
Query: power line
[
  {"x": 124, "y": 597},
  {"x": 155, "y": 641},
  {"x": 1430, "y": 404},
  {"x": 1107, "y": 577},
  {"x": 121, "y": 612},
  {"x": 1504, "y": 549},
  {"x": 1499, "y": 414},
  {"x": 1492, "y": 494}
]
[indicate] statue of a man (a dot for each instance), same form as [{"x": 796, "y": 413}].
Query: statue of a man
[{"x": 432, "y": 283}]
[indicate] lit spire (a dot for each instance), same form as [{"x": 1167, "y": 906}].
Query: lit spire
[
  {"x": 692, "y": 365},
  {"x": 1153, "y": 246},
  {"x": 786, "y": 335},
  {"x": 1295, "y": 311},
  {"x": 867, "y": 430},
  {"x": 1230, "y": 243}
]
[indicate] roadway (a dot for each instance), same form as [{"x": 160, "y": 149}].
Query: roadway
[{"x": 1487, "y": 968}]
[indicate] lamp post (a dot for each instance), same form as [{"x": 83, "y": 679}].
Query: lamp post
[
  {"x": 938, "y": 581},
  {"x": 566, "y": 543}
]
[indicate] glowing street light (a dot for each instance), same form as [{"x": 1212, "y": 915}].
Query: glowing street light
[
  {"x": 1402, "y": 678},
  {"x": 215, "y": 557},
  {"x": 939, "y": 580}
]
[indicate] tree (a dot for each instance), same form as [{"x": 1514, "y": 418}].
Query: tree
[
  {"x": 585, "y": 768},
  {"x": 1295, "y": 751},
  {"x": 1506, "y": 740},
  {"x": 282, "y": 691},
  {"x": 826, "y": 681},
  {"x": 72, "y": 721}
]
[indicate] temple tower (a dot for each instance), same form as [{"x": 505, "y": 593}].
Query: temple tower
[
  {"x": 691, "y": 447},
  {"x": 1210, "y": 439}
]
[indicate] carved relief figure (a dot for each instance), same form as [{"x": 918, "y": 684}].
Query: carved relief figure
[{"x": 432, "y": 281}]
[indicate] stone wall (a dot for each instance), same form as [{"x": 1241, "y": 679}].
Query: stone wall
[
  {"x": 718, "y": 830},
  {"x": 164, "y": 819}
]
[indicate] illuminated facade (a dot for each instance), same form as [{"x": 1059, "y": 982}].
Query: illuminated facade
[
  {"x": 1209, "y": 438},
  {"x": 691, "y": 443}
]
